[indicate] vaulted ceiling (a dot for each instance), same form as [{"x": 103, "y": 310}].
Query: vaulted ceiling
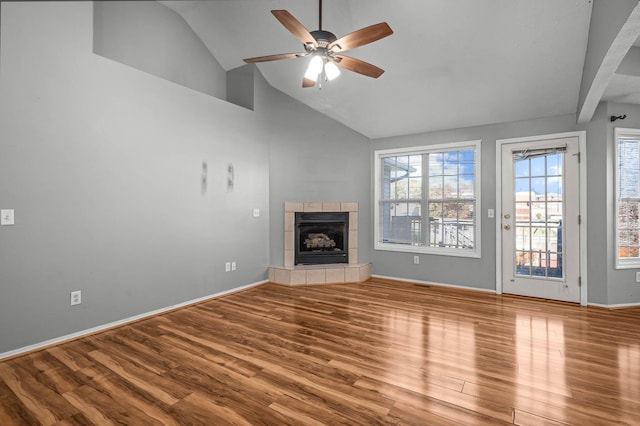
[{"x": 449, "y": 64}]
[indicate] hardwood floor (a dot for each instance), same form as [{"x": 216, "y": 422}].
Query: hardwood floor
[{"x": 360, "y": 354}]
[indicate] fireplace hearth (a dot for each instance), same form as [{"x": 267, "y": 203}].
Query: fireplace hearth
[
  {"x": 304, "y": 274},
  {"x": 321, "y": 238}
]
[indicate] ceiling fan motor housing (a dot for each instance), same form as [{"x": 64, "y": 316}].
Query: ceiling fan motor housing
[{"x": 323, "y": 38}]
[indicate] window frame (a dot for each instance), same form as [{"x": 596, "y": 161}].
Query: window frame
[
  {"x": 620, "y": 263},
  {"x": 420, "y": 150}
]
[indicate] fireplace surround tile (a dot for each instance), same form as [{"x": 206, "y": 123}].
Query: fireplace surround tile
[
  {"x": 353, "y": 255},
  {"x": 353, "y": 239},
  {"x": 289, "y": 221},
  {"x": 331, "y": 207},
  {"x": 282, "y": 275},
  {"x": 349, "y": 207},
  {"x": 316, "y": 276},
  {"x": 312, "y": 207},
  {"x": 320, "y": 274},
  {"x": 365, "y": 272},
  {"x": 291, "y": 274},
  {"x": 298, "y": 277},
  {"x": 289, "y": 238},
  {"x": 289, "y": 257},
  {"x": 352, "y": 274},
  {"x": 353, "y": 220},
  {"x": 291, "y": 207},
  {"x": 335, "y": 275}
]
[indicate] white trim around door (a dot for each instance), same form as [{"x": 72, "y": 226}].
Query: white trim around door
[{"x": 582, "y": 140}]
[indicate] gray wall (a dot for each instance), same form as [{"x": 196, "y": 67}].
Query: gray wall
[
  {"x": 599, "y": 166},
  {"x": 103, "y": 164},
  {"x": 153, "y": 38},
  {"x": 240, "y": 86},
  {"x": 313, "y": 158}
]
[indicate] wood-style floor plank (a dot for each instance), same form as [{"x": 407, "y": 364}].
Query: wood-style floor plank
[{"x": 378, "y": 352}]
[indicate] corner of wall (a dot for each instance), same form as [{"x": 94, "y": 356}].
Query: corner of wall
[{"x": 241, "y": 87}]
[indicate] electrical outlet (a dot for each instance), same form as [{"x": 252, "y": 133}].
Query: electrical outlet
[
  {"x": 638, "y": 277},
  {"x": 76, "y": 297},
  {"x": 416, "y": 260},
  {"x": 227, "y": 266},
  {"x": 256, "y": 212},
  {"x": 233, "y": 265}
]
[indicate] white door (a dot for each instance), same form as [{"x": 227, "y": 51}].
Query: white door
[{"x": 540, "y": 219}]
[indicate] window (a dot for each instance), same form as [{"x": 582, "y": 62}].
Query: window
[
  {"x": 627, "y": 209},
  {"x": 427, "y": 199}
]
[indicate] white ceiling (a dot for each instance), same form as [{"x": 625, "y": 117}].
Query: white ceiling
[{"x": 449, "y": 63}]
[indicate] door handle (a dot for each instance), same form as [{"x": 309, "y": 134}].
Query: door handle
[
  {"x": 507, "y": 216},
  {"x": 507, "y": 227}
]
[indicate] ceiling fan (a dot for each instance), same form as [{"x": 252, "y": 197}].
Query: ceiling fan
[{"x": 326, "y": 49}]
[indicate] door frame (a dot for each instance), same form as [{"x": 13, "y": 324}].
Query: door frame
[{"x": 582, "y": 208}]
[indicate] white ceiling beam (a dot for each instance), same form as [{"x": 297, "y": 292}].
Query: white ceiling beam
[{"x": 613, "y": 30}]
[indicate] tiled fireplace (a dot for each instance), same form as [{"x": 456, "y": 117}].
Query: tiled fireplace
[{"x": 292, "y": 274}]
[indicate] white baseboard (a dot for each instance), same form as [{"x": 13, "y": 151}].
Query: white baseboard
[
  {"x": 121, "y": 322},
  {"x": 598, "y": 305},
  {"x": 433, "y": 283},
  {"x": 615, "y": 306}
]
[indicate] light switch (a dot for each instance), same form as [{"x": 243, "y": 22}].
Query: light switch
[
  {"x": 491, "y": 213},
  {"x": 6, "y": 217}
]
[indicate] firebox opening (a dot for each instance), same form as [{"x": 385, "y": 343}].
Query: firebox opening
[{"x": 321, "y": 238}]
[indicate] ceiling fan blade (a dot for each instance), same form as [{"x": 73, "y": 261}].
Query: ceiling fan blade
[
  {"x": 361, "y": 37},
  {"x": 356, "y": 65},
  {"x": 295, "y": 27},
  {"x": 273, "y": 57},
  {"x": 306, "y": 82}
]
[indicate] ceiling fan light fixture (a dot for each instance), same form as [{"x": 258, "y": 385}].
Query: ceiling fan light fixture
[
  {"x": 331, "y": 70},
  {"x": 314, "y": 69},
  {"x": 325, "y": 50}
]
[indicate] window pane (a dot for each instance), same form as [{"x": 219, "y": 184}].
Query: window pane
[
  {"x": 467, "y": 160},
  {"x": 538, "y": 186},
  {"x": 399, "y": 225},
  {"x": 450, "y": 199},
  {"x": 523, "y": 212},
  {"x": 450, "y": 186},
  {"x": 522, "y": 168},
  {"x": 628, "y": 198},
  {"x": 628, "y": 169},
  {"x": 523, "y": 186},
  {"x": 435, "y": 210},
  {"x": 554, "y": 165},
  {"x": 465, "y": 211},
  {"x": 523, "y": 241},
  {"x": 538, "y": 166},
  {"x": 415, "y": 187},
  {"x": 554, "y": 188},
  {"x": 436, "y": 187},
  {"x": 467, "y": 185},
  {"x": 623, "y": 238},
  {"x": 436, "y": 164}
]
